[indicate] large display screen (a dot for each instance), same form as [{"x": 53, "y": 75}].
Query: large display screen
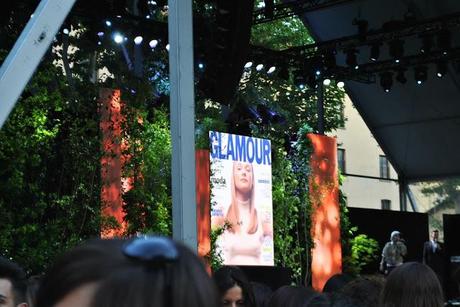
[{"x": 241, "y": 198}]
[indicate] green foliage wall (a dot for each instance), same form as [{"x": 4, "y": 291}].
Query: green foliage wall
[{"x": 49, "y": 171}]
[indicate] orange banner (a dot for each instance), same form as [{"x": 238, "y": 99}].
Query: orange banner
[
  {"x": 203, "y": 214},
  {"x": 324, "y": 197},
  {"x": 111, "y": 161}
]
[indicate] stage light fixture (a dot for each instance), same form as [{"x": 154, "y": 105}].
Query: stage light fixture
[
  {"x": 283, "y": 73},
  {"x": 248, "y": 65},
  {"x": 271, "y": 70},
  {"x": 444, "y": 41},
  {"x": 396, "y": 49},
  {"x": 108, "y": 23},
  {"x": 201, "y": 66},
  {"x": 326, "y": 82},
  {"x": 259, "y": 67},
  {"x": 363, "y": 26},
  {"x": 375, "y": 52},
  {"x": 340, "y": 84},
  {"x": 138, "y": 40},
  {"x": 167, "y": 47},
  {"x": 441, "y": 69},
  {"x": 153, "y": 43},
  {"x": 420, "y": 74},
  {"x": 351, "y": 58},
  {"x": 100, "y": 34},
  {"x": 118, "y": 38},
  {"x": 312, "y": 82},
  {"x": 269, "y": 9},
  {"x": 386, "y": 81},
  {"x": 329, "y": 59},
  {"x": 401, "y": 77},
  {"x": 427, "y": 44},
  {"x": 299, "y": 79},
  {"x": 65, "y": 31}
]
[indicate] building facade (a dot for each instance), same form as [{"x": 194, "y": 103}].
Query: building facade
[{"x": 369, "y": 179}]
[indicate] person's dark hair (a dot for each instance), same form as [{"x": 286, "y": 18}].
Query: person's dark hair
[
  {"x": 15, "y": 274},
  {"x": 320, "y": 300},
  {"x": 412, "y": 284},
  {"x": 262, "y": 293},
  {"x": 292, "y": 296},
  {"x": 364, "y": 291},
  {"x": 151, "y": 278},
  {"x": 340, "y": 300},
  {"x": 337, "y": 282},
  {"x": 33, "y": 283},
  {"x": 227, "y": 277}
]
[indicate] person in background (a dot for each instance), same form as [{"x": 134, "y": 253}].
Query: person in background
[
  {"x": 336, "y": 282},
  {"x": 433, "y": 255},
  {"x": 262, "y": 293},
  {"x": 364, "y": 291},
  {"x": 412, "y": 284},
  {"x": 234, "y": 287},
  {"x": 292, "y": 296},
  {"x": 393, "y": 253},
  {"x": 147, "y": 271},
  {"x": 13, "y": 284}
]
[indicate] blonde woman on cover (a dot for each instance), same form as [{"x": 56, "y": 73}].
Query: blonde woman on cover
[{"x": 242, "y": 242}]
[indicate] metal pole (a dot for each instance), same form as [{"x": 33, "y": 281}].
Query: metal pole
[
  {"x": 402, "y": 194},
  {"x": 182, "y": 103},
  {"x": 320, "y": 107},
  {"x": 412, "y": 200},
  {"x": 28, "y": 50}
]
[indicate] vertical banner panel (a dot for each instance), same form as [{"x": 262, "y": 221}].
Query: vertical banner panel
[
  {"x": 203, "y": 209},
  {"x": 324, "y": 197},
  {"x": 111, "y": 161},
  {"x": 241, "y": 198}
]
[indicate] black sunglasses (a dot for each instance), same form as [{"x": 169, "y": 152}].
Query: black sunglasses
[{"x": 151, "y": 249}]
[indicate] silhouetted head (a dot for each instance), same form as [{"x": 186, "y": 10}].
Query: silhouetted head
[{"x": 141, "y": 272}]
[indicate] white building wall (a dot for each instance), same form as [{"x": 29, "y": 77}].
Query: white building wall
[{"x": 362, "y": 158}]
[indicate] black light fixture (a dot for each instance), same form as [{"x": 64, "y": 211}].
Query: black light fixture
[
  {"x": 427, "y": 44},
  {"x": 312, "y": 81},
  {"x": 299, "y": 79},
  {"x": 351, "y": 58},
  {"x": 396, "y": 49},
  {"x": 316, "y": 64},
  {"x": 269, "y": 9},
  {"x": 375, "y": 52},
  {"x": 444, "y": 41},
  {"x": 363, "y": 26},
  {"x": 386, "y": 81},
  {"x": 420, "y": 74},
  {"x": 441, "y": 69},
  {"x": 283, "y": 72},
  {"x": 400, "y": 76},
  {"x": 329, "y": 59}
]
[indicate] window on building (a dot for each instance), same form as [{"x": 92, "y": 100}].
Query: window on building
[
  {"x": 341, "y": 159},
  {"x": 384, "y": 167},
  {"x": 386, "y": 204}
]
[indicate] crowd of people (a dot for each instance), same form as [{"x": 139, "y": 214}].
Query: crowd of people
[{"x": 156, "y": 271}]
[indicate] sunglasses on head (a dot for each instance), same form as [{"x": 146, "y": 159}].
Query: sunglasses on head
[
  {"x": 157, "y": 254},
  {"x": 151, "y": 249}
]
